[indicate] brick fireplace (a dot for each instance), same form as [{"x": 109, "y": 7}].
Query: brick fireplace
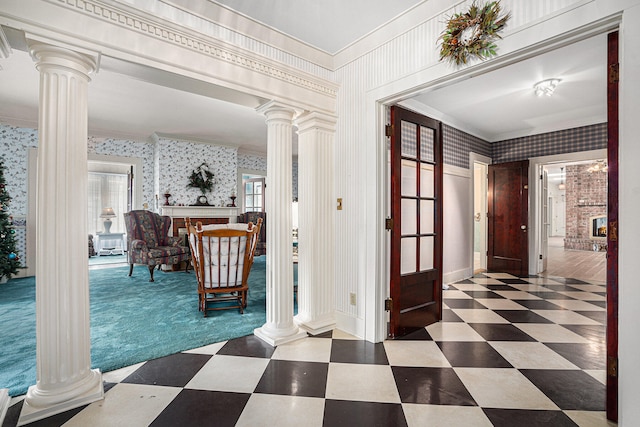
[{"x": 586, "y": 209}]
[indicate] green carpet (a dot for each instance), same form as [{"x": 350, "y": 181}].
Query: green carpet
[{"x": 132, "y": 320}]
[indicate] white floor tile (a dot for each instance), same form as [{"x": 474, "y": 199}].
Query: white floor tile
[
  {"x": 566, "y": 317},
  {"x": 590, "y": 418},
  {"x": 229, "y": 373},
  {"x": 501, "y": 276},
  {"x": 590, "y": 288},
  {"x": 500, "y": 304},
  {"x": 479, "y": 315},
  {"x": 576, "y": 305},
  {"x": 208, "y": 349},
  {"x": 531, "y": 355},
  {"x": 342, "y": 335},
  {"x": 455, "y": 294},
  {"x": 444, "y": 416},
  {"x": 453, "y": 331},
  {"x": 514, "y": 391},
  {"x": 584, "y": 296},
  {"x": 518, "y": 295},
  {"x": 471, "y": 286},
  {"x": 531, "y": 288},
  {"x": 282, "y": 411},
  {"x": 415, "y": 353},
  {"x": 305, "y": 350},
  {"x": 371, "y": 383},
  {"x": 599, "y": 374},
  {"x": 126, "y": 405},
  {"x": 120, "y": 374}
]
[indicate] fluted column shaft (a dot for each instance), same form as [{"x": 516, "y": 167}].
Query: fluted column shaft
[
  {"x": 63, "y": 359},
  {"x": 316, "y": 207},
  {"x": 279, "y": 327}
]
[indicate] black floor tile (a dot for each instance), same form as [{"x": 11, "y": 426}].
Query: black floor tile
[
  {"x": 528, "y": 418},
  {"x": 338, "y": 413},
  {"x": 560, "y": 288},
  {"x": 294, "y": 378},
  {"x": 598, "y": 316},
  {"x": 549, "y": 295},
  {"x": 52, "y": 421},
  {"x": 500, "y": 332},
  {"x": 434, "y": 386},
  {"x": 467, "y": 281},
  {"x": 419, "y": 335},
  {"x": 249, "y": 346},
  {"x": 450, "y": 316},
  {"x": 584, "y": 356},
  {"x": 328, "y": 334},
  {"x": 569, "y": 389},
  {"x": 482, "y": 294},
  {"x": 537, "y": 304},
  {"x": 595, "y": 333},
  {"x": 351, "y": 351},
  {"x": 472, "y": 355},
  {"x": 462, "y": 303},
  {"x": 522, "y": 316},
  {"x": 202, "y": 407},
  {"x": 500, "y": 287},
  {"x": 515, "y": 281},
  {"x": 601, "y": 304},
  {"x": 175, "y": 370}
]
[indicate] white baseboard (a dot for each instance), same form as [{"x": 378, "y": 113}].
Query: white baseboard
[
  {"x": 349, "y": 324},
  {"x": 455, "y": 276}
]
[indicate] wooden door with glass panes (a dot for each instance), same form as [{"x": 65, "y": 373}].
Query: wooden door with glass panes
[{"x": 416, "y": 222}]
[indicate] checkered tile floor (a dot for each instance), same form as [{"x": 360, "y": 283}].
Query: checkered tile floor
[{"x": 509, "y": 352}]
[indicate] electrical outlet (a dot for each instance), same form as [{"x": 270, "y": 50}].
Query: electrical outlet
[{"x": 352, "y": 298}]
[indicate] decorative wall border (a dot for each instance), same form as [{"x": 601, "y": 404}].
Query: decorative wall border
[{"x": 113, "y": 15}]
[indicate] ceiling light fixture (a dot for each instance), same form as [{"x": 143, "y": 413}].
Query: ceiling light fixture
[
  {"x": 546, "y": 87},
  {"x": 561, "y": 186}
]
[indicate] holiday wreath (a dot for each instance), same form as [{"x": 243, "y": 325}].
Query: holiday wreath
[
  {"x": 202, "y": 178},
  {"x": 472, "y": 33}
]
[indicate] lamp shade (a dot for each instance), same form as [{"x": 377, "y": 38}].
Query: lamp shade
[{"x": 107, "y": 213}]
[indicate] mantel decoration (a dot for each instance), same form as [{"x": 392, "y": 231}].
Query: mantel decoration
[
  {"x": 203, "y": 179},
  {"x": 473, "y": 33}
]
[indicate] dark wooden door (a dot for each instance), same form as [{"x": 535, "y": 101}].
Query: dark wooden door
[
  {"x": 508, "y": 218},
  {"x": 416, "y": 230},
  {"x": 613, "y": 231}
]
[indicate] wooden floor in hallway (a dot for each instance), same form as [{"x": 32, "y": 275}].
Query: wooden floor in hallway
[{"x": 584, "y": 265}]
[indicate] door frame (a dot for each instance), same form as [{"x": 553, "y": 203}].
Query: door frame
[
  {"x": 486, "y": 161},
  {"x": 535, "y": 197},
  {"x": 373, "y": 324}
]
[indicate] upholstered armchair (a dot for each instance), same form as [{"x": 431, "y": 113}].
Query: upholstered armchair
[
  {"x": 247, "y": 217},
  {"x": 149, "y": 243}
]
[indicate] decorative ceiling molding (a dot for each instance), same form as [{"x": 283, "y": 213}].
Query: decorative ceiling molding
[
  {"x": 5, "y": 48},
  {"x": 199, "y": 43}
]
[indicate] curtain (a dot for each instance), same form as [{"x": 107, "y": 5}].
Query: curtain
[{"x": 107, "y": 190}]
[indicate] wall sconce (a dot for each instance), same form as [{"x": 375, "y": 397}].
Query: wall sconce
[{"x": 546, "y": 87}]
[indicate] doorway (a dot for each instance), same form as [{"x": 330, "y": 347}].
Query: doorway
[{"x": 479, "y": 184}]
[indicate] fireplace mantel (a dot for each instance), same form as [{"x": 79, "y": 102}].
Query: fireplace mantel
[{"x": 204, "y": 214}]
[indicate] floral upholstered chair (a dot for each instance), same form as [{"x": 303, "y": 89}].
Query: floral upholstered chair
[{"x": 148, "y": 241}]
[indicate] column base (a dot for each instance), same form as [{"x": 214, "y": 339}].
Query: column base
[
  {"x": 315, "y": 327},
  {"x": 4, "y": 403},
  {"x": 93, "y": 391},
  {"x": 276, "y": 340}
]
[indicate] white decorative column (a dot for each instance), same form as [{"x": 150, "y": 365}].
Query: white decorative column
[
  {"x": 316, "y": 210},
  {"x": 280, "y": 327},
  {"x": 63, "y": 359}
]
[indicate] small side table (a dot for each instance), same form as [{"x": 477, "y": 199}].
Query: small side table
[{"x": 110, "y": 243}]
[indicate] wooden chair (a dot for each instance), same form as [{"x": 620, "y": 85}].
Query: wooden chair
[{"x": 222, "y": 257}]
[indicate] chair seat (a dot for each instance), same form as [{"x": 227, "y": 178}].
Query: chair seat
[{"x": 167, "y": 251}]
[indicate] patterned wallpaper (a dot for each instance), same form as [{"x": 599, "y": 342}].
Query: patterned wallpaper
[
  {"x": 259, "y": 163},
  {"x": 177, "y": 159},
  {"x": 456, "y": 146},
  {"x": 586, "y": 138}
]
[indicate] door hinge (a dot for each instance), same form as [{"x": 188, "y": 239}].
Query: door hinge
[
  {"x": 388, "y": 223},
  {"x": 612, "y": 366},
  {"x": 540, "y": 177},
  {"x": 388, "y": 303},
  {"x": 540, "y": 256},
  {"x": 388, "y": 131},
  {"x": 614, "y": 73}
]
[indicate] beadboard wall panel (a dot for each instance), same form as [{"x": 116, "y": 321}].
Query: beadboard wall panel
[{"x": 402, "y": 55}]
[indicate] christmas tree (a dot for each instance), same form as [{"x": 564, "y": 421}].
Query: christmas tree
[{"x": 9, "y": 260}]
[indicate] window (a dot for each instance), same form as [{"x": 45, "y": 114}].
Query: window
[
  {"x": 254, "y": 195},
  {"x": 107, "y": 190}
]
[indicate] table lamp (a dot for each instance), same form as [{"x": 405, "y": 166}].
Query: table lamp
[{"x": 107, "y": 214}]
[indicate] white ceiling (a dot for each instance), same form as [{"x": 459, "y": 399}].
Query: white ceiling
[{"x": 494, "y": 106}]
